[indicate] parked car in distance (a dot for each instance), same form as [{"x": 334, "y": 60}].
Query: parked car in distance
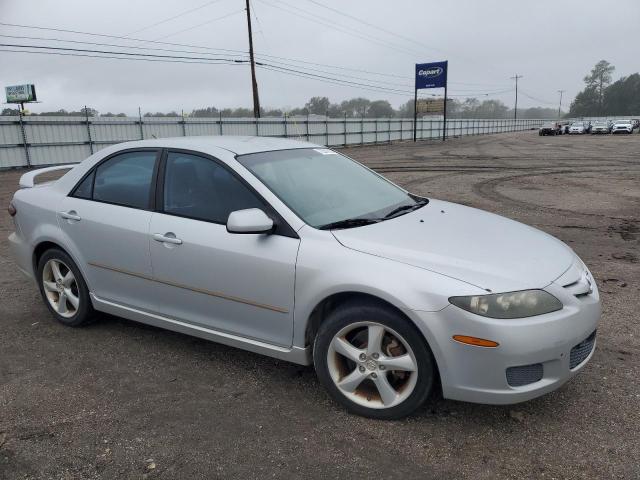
[
  {"x": 395, "y": 294},
  {"x": 578, "y": 128},
  {"x": 622, "y": 126},
  {"x": 550, "y": 128},
  {"x": 600, "y": 126}
]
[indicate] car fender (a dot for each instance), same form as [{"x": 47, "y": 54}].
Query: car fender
[
  {"x": 325, "y": 268},
  {"x": 48, "y": 232}
]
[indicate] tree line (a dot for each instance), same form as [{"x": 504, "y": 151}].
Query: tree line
[
  {"x": 353, "y": 108},
  {"x": 602, "y": 97}
]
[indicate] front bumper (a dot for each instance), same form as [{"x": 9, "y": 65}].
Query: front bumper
[{"x": 479, "y": 374}]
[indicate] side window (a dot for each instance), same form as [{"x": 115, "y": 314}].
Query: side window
[
  {"x": 85, "y": 189},
  {"x": 125, "y": 179},
  {"x": 199, "y": 188}
]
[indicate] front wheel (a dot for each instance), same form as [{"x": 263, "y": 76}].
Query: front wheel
[{"x": 373, "y": 361}]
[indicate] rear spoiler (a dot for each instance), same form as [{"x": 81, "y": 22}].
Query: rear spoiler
[{"x": 27, "y": 180}]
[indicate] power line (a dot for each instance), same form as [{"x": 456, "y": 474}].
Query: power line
[
  {"x": 102, "y": 44},
  {"x": 121, "y": 53},
  {"x": 182, "y": 59},
  {"x": 289, "y": 72},
  {"x": 359, "y": 20},
  {"x": 546, "y": 102},
  {"x": 199, "y": 25},
  {"x": 394, "y": 84},
  {"x": 333, "y": 25},
  {"x": 237, "y": 62},
  {"x": 255, "y": 15},
  {"x": 202, "y": 47},
  {"x": 389, "y": 32},
  {"x": 110, "y": 54},
  {"x": 189, "y": 46},
  {"x": 174, "y": 17}
]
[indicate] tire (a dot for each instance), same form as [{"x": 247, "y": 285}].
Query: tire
[
  {"x": 59, "y": 277},
  {"x": 341, "y": 350}
]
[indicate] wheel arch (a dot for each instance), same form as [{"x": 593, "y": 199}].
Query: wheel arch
[
  {"x": 47, "y": 243},
  {"x": 336, "y": 300}
]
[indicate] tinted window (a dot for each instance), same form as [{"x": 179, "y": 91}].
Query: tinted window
[
  {"x": 199, "y": 188},
  {"x": 85, "y": 189},
  {"x": 125, "y": 179}
]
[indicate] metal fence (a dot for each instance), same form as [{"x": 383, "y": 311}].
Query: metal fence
[{"x": 34, "y": 141}]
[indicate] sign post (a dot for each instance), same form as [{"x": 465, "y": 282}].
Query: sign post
[{"x": 430, "y": 75}]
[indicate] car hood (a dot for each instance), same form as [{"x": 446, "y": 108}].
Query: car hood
[{"x": 476, "y": 247}]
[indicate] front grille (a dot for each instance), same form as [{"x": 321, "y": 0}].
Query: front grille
[
  {"x": 524, "y": 375},
  {"x": 581, "y": 351}
]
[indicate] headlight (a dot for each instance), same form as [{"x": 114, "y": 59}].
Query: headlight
[{"x": 526, "y": 303}]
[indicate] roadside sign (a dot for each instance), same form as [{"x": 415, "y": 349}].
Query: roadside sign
[
  {"x": 430, "y": 105},
  {"x": 431, "y": 75},
  {"x": 21, "y": 93}
]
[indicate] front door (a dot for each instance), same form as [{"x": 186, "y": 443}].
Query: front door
[{"x": 241, "y": 284}]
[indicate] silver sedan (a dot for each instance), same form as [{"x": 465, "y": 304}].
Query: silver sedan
[{"x": 295, "y": 251}]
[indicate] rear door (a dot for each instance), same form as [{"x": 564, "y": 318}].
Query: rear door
[
  {"x": 242, "y": 284},
  {"x": 107, "y": 220}
]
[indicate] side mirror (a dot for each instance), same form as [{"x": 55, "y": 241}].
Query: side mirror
[{"x": 251, "y": 220}]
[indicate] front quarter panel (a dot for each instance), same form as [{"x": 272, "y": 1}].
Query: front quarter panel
[{"x": 325, "y": 268}]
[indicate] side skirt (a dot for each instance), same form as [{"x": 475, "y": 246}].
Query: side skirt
[{"x": 301, "y": 356}]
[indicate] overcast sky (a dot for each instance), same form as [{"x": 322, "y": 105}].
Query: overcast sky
[{"x": 552, "y": 43}]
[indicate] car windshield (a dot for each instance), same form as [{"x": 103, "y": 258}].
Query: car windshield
[
  {"x": 325, "y": 188},
  {"x": 577, "y": 124}
]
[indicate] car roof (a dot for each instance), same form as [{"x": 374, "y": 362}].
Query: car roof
[{"x": 239, "y": 145}]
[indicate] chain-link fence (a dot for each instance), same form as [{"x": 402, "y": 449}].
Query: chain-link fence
[{"x": 35, "y": 140}]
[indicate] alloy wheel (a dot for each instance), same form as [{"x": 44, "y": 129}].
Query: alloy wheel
[
  {"x": 372, "y": 365},
  {"x": 60, "y": 288}
]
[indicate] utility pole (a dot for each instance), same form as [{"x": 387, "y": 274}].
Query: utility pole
[
  {"x": 515, "y": 111},
  {"x": 254, "y": 83},
  {"x": 560, "y": 106}
]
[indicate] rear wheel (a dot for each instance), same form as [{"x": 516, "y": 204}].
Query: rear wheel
[
  {"x": 63, "y": 289},
  {"x": 373, "y": 361}
]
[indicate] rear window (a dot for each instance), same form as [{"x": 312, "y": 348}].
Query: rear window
[{"x": 125, "y": 179}]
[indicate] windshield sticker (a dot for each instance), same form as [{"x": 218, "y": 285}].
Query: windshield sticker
[{"x": 325, "y": 151}]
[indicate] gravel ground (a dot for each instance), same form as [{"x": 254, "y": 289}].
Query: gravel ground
[{"x": 122, "y": 400}]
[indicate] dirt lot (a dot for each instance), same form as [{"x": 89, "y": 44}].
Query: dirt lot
[{"x": 121, "y": 400}]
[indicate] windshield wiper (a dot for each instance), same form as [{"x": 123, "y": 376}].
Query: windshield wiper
[
  {"x": 419, "y": 203},
  {"x": 349, "y": 223}
]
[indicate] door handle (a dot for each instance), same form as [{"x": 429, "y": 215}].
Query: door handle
[
  {"x": 167, "y": 238},
  {"x": 70, "y": 215}
]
